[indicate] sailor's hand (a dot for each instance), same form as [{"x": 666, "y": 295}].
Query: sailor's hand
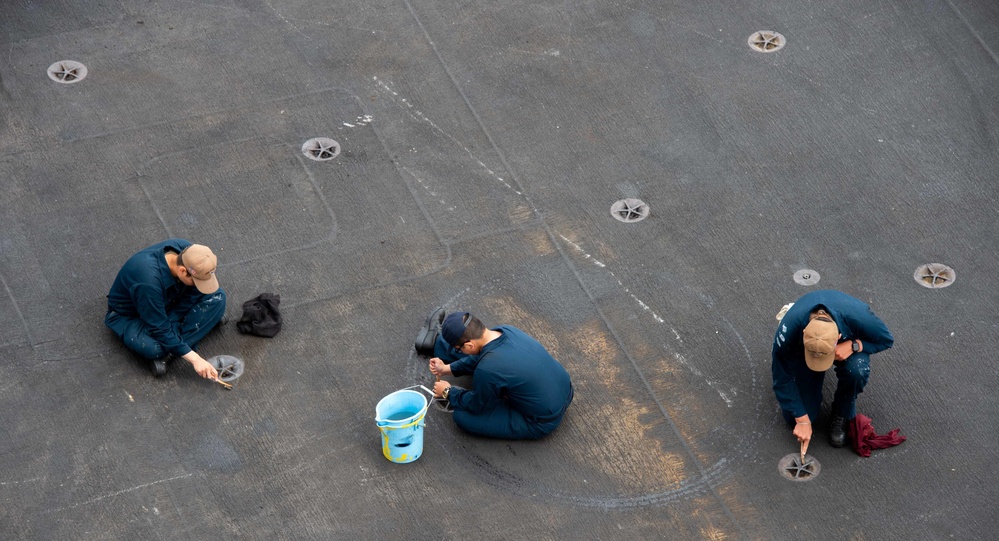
[
  {"x": 438, "y": 368},
  {"x": 803, "y": 429},
  {"x": 205, "y": 369},
  {"x": 439, "y": 388},
  {"x": 843, "y": 350}
]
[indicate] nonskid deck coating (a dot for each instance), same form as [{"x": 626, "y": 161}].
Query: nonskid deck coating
[{"x": 481, "y": 146}]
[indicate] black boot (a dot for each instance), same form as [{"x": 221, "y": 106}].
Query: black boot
[
  {"x": 837, "y": 432},
  {"x": 428, "y": 333},
  {"x": 159, "y": 367}
]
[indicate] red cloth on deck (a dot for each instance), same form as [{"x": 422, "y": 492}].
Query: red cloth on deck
[{"x": 864, "y": 439}]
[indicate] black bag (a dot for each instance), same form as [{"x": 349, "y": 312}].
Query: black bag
[{"x": 261, "y": 316}]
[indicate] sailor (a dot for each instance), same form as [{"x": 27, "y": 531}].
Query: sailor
[
  {"x": 164, "y": 300},
  {"x": 519, "y": 390},
  {"x": 820, "y": 330}
]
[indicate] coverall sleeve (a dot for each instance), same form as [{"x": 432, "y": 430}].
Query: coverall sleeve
[
  {"x": 461, "y": 365},
  {"x": 149, "y": 303},
  {"x": 785, "y": 389},
  {"x": 870, "y": 330},
  {"x": 485, "y": 391}
]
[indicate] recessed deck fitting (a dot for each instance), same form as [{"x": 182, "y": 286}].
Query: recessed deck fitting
[
  {"x": 321, "y": 149},
  {"x": 807, "y": 277},
  {"x": 934, "y": 275},
  {"x": 228, "y": 367},
  {"x": 630, "y": 210},
  {"x": 791, "y": 467},
  {"x": 767, "y": 41},
  {"x": 67, "y": 72}
]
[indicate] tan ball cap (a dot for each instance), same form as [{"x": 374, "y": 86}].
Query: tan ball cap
[
  {"x": 821, "y": 337},
  {"x": 201, "y": 264}
]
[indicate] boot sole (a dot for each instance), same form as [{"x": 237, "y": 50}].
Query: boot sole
[
  {"x": 159, "y": 368},
  {"x": 424, "y": 343}
]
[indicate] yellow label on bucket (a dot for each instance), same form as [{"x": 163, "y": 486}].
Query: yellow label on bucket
[{"x": 387, "y": 450}]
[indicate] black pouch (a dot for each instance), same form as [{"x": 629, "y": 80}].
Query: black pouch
[{"x": 261, "y": 316}]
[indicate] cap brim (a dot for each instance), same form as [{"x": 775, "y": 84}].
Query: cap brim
[
  {"x": 209, "y": 286},
  {"x": 820, "y": 364}
]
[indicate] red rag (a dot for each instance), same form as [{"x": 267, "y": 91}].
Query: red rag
[{"x": 864, "y": 438}]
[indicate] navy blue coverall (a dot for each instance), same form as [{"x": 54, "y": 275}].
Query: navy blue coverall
[
  {"x": 156, "y": 314},
  {"x": 519, "y": 390},
  {"x": 798, "y": 388}
]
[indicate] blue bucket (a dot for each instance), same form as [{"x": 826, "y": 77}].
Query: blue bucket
[{"x": 400, "y": 417}]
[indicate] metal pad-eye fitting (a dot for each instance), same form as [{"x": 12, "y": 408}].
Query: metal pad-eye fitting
[
  {"x": 630, "y": 210},
  {"x": 229, "y": 367},
  {"x": 806, "y": 277},
  {"x": 67, "y": 72},
  {"x": 935, "y": 275},
  {"x": 321, "y": 149},
  {"x": 766, "y": 41},
  {"x": 443, "y": 405},
  {"x": 792, "y": 468}
]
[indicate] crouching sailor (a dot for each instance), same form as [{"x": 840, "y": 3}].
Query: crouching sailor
[{"x": 519, "y": 390}]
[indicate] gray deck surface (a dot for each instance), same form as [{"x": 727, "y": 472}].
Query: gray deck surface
[{"x": 484, "y": 142}]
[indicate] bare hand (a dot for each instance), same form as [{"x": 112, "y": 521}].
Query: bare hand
[
  {"x": 843, "y": 350},
  {"x": 803, "y": 431},
  {"x": 439, "y": 388},
  {"x": 438, "y": 368},
  {"x": 205, "y": 369}
]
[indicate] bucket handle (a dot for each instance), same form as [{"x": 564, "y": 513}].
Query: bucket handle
[
  {"x": 442, "y": 404},
  {"x": 428, "y": 391}
]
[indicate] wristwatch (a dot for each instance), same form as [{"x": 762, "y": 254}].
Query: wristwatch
[
  {"x": 446, "y": 393},
  {"x": 856, "y": 346}
]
